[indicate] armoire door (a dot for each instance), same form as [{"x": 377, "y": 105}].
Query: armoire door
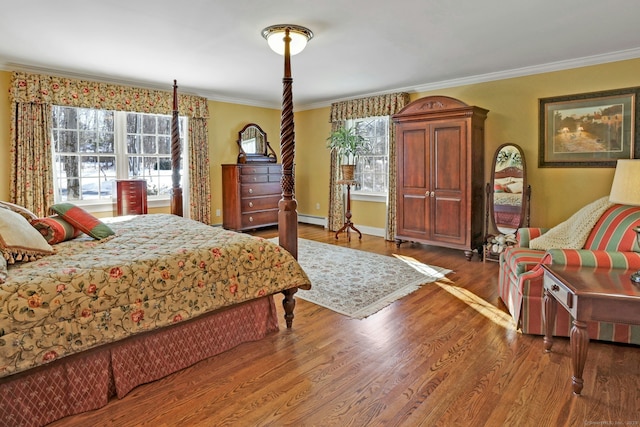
[
  {"x": 448, "y": 178},
  {"x": 414, "y": 181}
]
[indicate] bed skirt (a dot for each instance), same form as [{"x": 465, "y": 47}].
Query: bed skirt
[{"x": 86, "y": 381}]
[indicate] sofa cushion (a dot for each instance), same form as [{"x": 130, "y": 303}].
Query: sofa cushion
[
  {"x": 519, "y": 260},
  {"x": 614, "y": 230}
]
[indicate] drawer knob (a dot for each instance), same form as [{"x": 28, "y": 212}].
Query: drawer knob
[
  {"x": 250, "y": 204},
  {"x": 250, "y": 219},
  {"x": 555, "y": 288},
  {"x": 251, "y": 191}
]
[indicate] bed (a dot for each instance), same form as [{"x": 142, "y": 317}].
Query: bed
[
  {"x": 90, "y": 294},
  {"x": 93, "y": 316}
]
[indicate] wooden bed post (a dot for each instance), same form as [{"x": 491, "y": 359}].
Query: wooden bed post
[
  {"x": 287, "y": 207},
  {"x": 176, "y": 191}
]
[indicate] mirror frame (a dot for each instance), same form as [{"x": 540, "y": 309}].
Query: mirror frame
[
  {"x": 266, "y": 155},
  {"x": 526, "y": 191}
]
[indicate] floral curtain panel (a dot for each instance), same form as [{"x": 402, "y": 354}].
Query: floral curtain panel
[
  {"x": 31, "y": 183},
  {"x": 382, "y": 105},
  {"x": 32, "y": 96}
]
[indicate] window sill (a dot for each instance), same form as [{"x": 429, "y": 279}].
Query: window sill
[
  {"x": 110, "y": 206},
  {"x": 369, "y": 197}
]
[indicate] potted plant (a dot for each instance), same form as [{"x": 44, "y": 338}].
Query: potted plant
[{"x": 348, "y": 145}]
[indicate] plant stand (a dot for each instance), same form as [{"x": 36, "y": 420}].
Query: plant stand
[{"x": 348, "y": 225}]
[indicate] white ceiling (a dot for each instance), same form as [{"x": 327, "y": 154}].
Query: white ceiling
[{"x": 214, "y": 47}]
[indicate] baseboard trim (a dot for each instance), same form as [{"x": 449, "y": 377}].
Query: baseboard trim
[
  {"x": 317, "y": 220},
  {"x": 322, "y": 221}
]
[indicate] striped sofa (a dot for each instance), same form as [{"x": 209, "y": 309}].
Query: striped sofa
[{"x": 611, "y": 244}]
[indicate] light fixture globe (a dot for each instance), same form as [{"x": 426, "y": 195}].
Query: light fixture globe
[{"x": 299, "y": 36}]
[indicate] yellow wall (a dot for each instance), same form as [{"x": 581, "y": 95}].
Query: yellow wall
[
  {"x": 513, "y": 117},
  {"x": 225, "y": 121}
]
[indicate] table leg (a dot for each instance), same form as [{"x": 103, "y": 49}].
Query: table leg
[
  {"x": 579, "y": 345},
  {"x": 549, "y": 319},
  {"x": 348, "y": 225}
]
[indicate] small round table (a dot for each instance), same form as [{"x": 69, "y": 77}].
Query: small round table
[{"x": 348, "y": 225}]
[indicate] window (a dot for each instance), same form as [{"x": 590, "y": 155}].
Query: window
[
  {"x": 92, "y": 148},
  {"x": 372, "y": 169}
]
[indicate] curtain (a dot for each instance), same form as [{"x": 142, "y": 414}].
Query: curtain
[
  {"x": 32, "y": 96},
  {"x": 199, "y": 182},
  {"x": 32, "y": 165},
  {"x": 381, "y": 105}
]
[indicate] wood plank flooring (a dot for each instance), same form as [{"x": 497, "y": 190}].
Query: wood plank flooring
[{"x": 446, "y": 355}]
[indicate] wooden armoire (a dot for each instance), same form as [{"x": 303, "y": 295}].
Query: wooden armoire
[{"x": 440, "y": 173}]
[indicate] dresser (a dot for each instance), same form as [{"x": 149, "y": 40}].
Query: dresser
[
  {"x": 250, "y": 195},
  {"x": 440, "y": 173},
  {"x": 131, "y": 197}
]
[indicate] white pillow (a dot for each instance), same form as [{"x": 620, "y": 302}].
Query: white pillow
[
  {"x": 19, "y": 241},
  {"x": 516, "y": 187}
]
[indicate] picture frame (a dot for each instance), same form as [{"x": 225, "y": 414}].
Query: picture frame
[{"x": 592, "y": 129}]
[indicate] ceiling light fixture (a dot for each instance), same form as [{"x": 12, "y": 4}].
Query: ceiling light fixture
[{"x": 275, "y": 35}]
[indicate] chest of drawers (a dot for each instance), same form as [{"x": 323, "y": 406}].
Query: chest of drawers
[
  {"x": 250, "y": 195},
  {"x": 131, "y": 197}
]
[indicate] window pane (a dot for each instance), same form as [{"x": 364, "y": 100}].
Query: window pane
[
  {"x": 134, "y": 123},
  {"x": 105, "y": 121},
  {"x": 72, "y": 189},
  {"x": 134, "y": 144},
  {"x": 67, "y": 166},
  {"x": 107, "y": 167},
  {"x": 164, "y": 145},
  {"x": 106, "y": 143},
  {"x": 148, "y": 124},
  {"x": 86, "y": 119},
  {"x": 67, "y": 141},
  {"x": 164, "y": 125},
  {"x": 149, "y": 144},
  {"x": 88, "y": 142},
  {"x": 136, "y": 166}
]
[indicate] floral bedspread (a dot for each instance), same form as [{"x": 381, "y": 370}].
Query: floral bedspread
[{"x": 157, "y": 270}]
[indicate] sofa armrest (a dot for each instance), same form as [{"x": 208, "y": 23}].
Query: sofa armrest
[
  {"x": 592, "y": 258},
  {"x": 524, "y": 235}
]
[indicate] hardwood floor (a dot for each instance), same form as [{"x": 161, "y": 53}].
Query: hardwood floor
[{"x": 446, "y": 355}]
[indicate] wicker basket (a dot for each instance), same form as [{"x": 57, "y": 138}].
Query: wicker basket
[{"x": 348, "y": 172}]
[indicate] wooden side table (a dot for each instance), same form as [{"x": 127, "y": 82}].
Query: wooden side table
[
  {"x": 347, "y": 222},
  {"x": 588, "y": 294}
]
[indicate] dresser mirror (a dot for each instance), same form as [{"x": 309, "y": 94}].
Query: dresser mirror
[
  {"x": 254, "y": 146},
  {"x": 508, "y": 197}
]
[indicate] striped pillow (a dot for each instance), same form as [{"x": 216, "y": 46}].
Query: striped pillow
[
  {"x": 82, "y": 220},
  {"x": 614, "y": 230},
  {"x": 55, "y": 229}
]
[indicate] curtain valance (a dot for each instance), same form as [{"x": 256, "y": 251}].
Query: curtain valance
[
  {"x": 380, "y": 105},
  {"x": 53, "y": 90}
]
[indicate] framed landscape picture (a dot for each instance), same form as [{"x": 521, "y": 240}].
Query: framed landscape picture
[{"x": 589, "y": 129}]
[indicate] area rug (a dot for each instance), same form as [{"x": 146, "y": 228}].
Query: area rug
[{"x": 356, "y": 283}]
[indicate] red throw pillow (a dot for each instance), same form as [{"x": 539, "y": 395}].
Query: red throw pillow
[
  {"x": 55, "y": 229},
  {"x": 82, "y": 220}
]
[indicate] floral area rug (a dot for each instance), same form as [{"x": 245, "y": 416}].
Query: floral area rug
[{"x": 357, "y": 283}]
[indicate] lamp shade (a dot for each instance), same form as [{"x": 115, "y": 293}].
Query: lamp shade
[
  {"x": 275, "y": 38},
  {"x": 625, "y": 189}
]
